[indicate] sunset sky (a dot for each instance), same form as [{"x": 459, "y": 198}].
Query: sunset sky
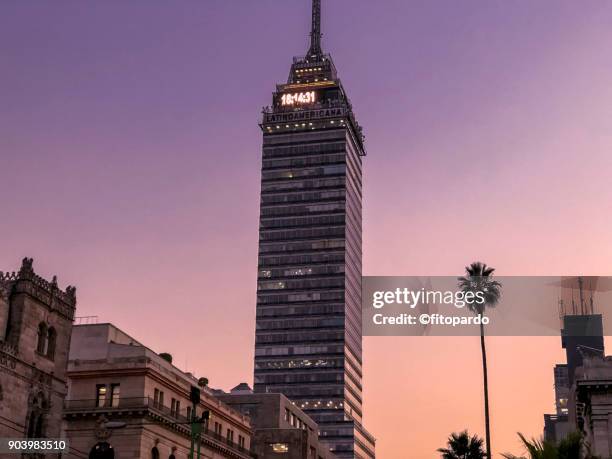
[{"x": 130, "y": 161}]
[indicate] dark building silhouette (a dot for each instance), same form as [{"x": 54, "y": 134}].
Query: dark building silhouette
[
  {"x": 581, "y": 332},
  {"x": 308, "y": 334}
]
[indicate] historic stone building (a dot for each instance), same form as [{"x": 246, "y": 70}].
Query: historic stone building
[
  {"x": 126, "y": 401},
  {"x": 590, "y": 404},
  {"x": 35, "y": 326}
]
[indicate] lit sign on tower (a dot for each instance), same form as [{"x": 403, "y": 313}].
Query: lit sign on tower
[{"x": 298, "y": 98}]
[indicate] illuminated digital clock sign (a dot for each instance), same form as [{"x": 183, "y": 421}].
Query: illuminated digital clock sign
[{"x": 297, "y": 99}]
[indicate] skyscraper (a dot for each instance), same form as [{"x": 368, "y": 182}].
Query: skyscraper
[{"x": 308, "y": 332}]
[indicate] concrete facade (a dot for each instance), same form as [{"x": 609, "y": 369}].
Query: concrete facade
[
  {"x": 35, "y": 327},
  {"x": 115, "y": 380},
  {"x": 280, "y": 428}
]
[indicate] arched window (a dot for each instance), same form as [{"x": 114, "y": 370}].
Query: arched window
[
  {"x": 102, "y": 450},
  {"x": 51, "y": 338},
  {"x": 41, "y": 347},
  {"x": 155, "y": 453},
  {"x": 36, "y": 416}
]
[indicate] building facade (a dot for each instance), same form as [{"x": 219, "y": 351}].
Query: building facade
[
  {"x": 590, "y": 407},
  {"x": 308, "y": 327},
  {"x": 35, "y": 325},
  {"x": 557, "y": 426},
  {"x": 116, "y": 381},
  {"x": 581, "y": 331},
  {"x": 280, "y": 428}
]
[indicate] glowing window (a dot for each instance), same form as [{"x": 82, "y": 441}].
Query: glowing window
[{"x": 280, "y": 447}]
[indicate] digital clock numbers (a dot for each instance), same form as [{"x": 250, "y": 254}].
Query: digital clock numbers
[{"x": 298, "y": 98}]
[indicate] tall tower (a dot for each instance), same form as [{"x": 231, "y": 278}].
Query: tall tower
[{"x": 308, "y": 332}]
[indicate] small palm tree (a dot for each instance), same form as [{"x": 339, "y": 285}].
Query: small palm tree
[
  {"x": 462, "y": 446},
  {"x": 571, "y": 447},
  {"x": 479, "y": 280}
]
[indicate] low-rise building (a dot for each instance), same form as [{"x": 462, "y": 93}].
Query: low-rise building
[
  {"x": 35, "y": 326},
  {"x": 280, "y": 428},
  {"x": 126, "y": 401}
]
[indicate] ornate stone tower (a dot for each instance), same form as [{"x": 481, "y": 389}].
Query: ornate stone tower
[
  {"x": 308, "y": 333},
  {"x": 35, "y": 326}
]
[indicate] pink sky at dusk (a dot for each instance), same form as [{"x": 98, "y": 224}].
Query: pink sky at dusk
[{"x": 130, "y": 167}]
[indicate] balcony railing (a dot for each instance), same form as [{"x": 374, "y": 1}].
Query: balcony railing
[{"x": 145, "y": 404}]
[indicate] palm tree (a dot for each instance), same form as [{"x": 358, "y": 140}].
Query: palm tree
[
  {"x": 462, "y": 446},
  {"x": 571, "y": 447},
  {"x": 479, "y": 280}
]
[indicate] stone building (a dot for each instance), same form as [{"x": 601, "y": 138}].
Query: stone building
[
  {"x": 126, "y": 401},
  {"x": 590, "y": 405},
  {"x": 280, "y": 428},
  {"x": 35, "y": 326}
]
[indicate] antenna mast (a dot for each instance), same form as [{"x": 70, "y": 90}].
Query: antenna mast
[{"x": 315, "y": 34}]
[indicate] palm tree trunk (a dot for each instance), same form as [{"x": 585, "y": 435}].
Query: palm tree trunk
[{"x": 486, "y": 391}]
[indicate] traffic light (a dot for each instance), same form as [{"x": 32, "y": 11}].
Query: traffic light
[{"x": 195, "y": 395}]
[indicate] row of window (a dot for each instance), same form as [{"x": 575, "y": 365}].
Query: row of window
[
  {"x": 302, "y": 271},
  {"x": 301, "y": 246},
  {"x": 295, "y": 259},
  {"x": 302, "y": 233},
  {"x": 305, "y": 184},
  {"x": 175, "y": 410},
  {"x": 314, "y": 336},
  {"x": 304, "y": 161},
  {"x": 299, "y": 350},
  {"x": 301, "y": 310},
  {"x": 299, "y": 222},
  {"x": 109, "y": 396},
  {"x": 275, "y": 151},
  {"x": 229, "y": 436},
  {"x": 302, "y": 284},
  {"x": 303, "y": 196},
  {"x": 295, "y": 323},
  {"x": 289, "y": 378},
  {"x": 321, "y": 404},
  {"x": 294, "y": 420},
  {"x": 308, "y": 391},
  {"x": 337, "y": 169},
  {"x": 298, "y": 363},
  {"x": 299, "y": 297}
]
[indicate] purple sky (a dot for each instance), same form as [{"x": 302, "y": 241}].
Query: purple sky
[{"x": 130, "y": 162}]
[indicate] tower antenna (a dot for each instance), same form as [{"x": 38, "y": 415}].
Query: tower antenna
[{"x": 315, "y": 34}]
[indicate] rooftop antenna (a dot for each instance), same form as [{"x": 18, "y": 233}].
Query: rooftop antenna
[{"x": 315, "y": 34}]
